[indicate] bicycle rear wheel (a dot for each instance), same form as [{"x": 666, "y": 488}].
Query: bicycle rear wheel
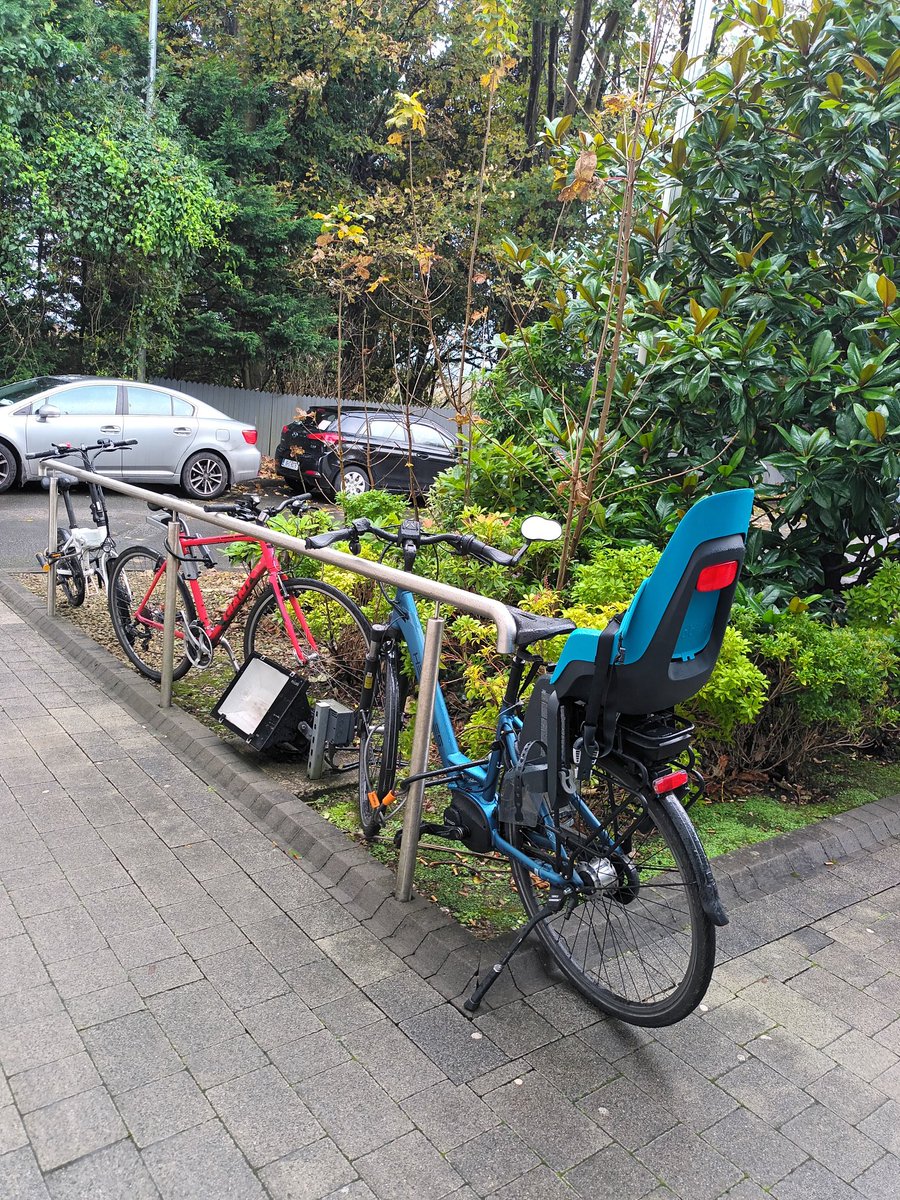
[
  {"x": 137, "y": 601},
  {"x": 70, "y": 573},
  {"x": 379, "y": 740},
  {"x": 331, "y": 632},
  {"x": 640, "y": 947}
]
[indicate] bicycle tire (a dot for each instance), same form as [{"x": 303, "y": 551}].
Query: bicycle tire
[
  {"x": 379, "y": 742},
  {"x": 610, "y": 971},
  {"x": 340, "y": 631},
  {"x": 72, "y": 583},
  {"x": 132, "y": 574}
]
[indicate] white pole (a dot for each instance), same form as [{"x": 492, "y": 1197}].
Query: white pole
[
  {"x": 418, "y": 758},
  {"x": 52, "y": 539},
  {"x": 703, "y": 24},
  {"x": 173, "y": 564},
  {"x": 151, "y": 74}
]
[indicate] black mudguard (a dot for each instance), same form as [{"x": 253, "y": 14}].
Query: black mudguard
[{"x": 709, "y": 892}]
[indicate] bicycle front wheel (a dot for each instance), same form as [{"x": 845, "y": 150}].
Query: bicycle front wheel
[
  {"x": 331, "y": 633},
  {"x": 379, "y": 738},
  {"x": 640, "y": 948},
  {"x": 70, "y": 573},
  {"x": 137, "y": 603}
]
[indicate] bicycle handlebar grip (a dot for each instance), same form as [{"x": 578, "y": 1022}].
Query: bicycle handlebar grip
[
  {"x": 220, "y": 508},
  {"x": 59, "y": 449},
  {"x": 469, "y": 544},
  {"x": 320, "y": 540}
]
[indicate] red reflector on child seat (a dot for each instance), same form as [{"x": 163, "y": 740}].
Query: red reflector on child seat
[
  {"x": 713, "y": 579},
  {"x": 668, "y": 783}
]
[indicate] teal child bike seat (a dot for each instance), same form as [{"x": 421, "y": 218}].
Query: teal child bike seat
[{"x": 664, "y": 647}]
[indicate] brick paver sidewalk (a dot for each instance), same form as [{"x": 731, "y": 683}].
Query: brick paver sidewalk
[{"x": 186, "y": 1013}]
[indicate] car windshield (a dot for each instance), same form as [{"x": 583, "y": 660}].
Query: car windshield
[{"x": 14, "y": 392}]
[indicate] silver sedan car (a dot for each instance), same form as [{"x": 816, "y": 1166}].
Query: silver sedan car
[{"x": 179, "y": 439}]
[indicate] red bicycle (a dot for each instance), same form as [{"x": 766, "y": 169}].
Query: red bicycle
[{"x": 305, "y": 625}]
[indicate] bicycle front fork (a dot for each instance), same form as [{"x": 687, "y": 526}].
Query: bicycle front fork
[{"x": 376, "y": 641}]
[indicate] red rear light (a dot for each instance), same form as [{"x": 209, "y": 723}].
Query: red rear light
[
  {"x": 713, "y": 579},
  {"x": 249, "y": 436},
  {"x": 331, "y": 438},
  {"x": 668, "y": 783},
  {"x": 284, "y": 429}
]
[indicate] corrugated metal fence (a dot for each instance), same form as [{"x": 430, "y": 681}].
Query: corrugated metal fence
[{"x": 269, "y": 411}]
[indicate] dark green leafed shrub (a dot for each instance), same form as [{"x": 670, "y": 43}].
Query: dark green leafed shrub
[
  {"x": 613, "y": 575},
  {"x": 841, "y": 676},
  {"x": 316, "y": 520},
  {"x": 877, "y": 601},
  {"x": 829, "y": 686},
  {"x": 512, "y": 474},
  {"x": 734, "y": 695},
  {"x": 382, "y": 508}
]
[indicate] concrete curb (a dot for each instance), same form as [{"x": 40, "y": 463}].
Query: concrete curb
[{"x": 430, "y": 942}]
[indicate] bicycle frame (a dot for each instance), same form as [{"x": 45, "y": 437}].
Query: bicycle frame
[
  {"x": 268, "y": 565},
  {"x": 478, "y": 782},
  {"x": 84, "y": 543}
]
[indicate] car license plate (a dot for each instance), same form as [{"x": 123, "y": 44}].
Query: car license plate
[{"x": 290, "y": 464}]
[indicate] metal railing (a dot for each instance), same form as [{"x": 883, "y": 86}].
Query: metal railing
[{"x": 481, "y": 606}]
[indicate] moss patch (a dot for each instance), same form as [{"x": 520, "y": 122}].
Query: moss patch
[{"x": 729, "y": 824}]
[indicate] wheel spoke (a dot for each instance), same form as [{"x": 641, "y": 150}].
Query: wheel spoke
[
  {"x": 644, "y": 954},
  {"x": 331, "y": 638},
  {"x": 137, "y": 605}
]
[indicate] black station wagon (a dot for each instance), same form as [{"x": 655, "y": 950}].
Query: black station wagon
[{"x": 365, "y": 450}]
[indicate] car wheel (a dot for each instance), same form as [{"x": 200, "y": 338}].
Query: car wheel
[
  {"x": 205, "y": 475},
  {"x": 9, "y": 468},
  {"x": 354, "y": 481}
]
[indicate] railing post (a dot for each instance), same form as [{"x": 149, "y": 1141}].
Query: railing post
[
  {"x": 52, "y": 538},
  {"x": 418, "y": 763},
  {"x": 173, "y": 562}
]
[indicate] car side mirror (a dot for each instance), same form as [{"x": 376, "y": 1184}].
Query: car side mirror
[
  {"x": 47, "y": 412},
  {"x": 539, "y": 529}
]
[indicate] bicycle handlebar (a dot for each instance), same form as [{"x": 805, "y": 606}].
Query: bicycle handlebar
[
  {"x": 462, "y": 543},
  {"x": 470, "y": 544},
  {"x": 65, "y": 449},
  {"x": 249, "y": 507}
]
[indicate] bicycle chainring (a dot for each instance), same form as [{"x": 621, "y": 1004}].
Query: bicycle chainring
[{"x": 198, "y": 648}]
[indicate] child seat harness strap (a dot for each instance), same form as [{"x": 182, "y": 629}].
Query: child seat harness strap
[{"x": 587, "y": 748}]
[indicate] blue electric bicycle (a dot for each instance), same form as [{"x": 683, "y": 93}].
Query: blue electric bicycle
[{"x": 586, "y": 786}]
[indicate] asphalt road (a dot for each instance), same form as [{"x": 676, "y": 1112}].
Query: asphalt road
[{"x": 23, "y": 521}]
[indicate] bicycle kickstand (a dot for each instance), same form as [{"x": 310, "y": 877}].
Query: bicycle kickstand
[{"x": 493, "y": 975}]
